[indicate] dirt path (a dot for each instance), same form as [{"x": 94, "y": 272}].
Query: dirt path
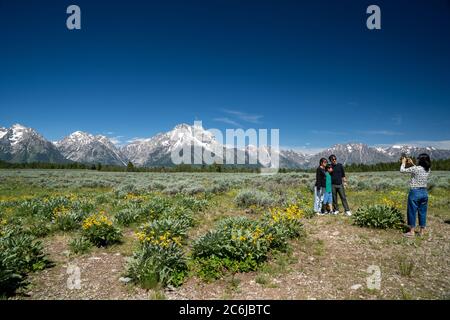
[{"x": 100, "y": 272}]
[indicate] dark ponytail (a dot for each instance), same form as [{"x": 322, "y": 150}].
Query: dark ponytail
[{"x": 424, "y": 161}]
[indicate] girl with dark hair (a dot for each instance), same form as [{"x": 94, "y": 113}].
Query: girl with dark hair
[
  {"x": 418, "y": 194},
  {"x": 319, "y": 188}
]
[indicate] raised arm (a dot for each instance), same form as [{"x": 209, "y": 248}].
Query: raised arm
[{"x": 406, "y": 170}]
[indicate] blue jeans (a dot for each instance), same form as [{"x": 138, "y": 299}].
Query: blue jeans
[
  {"x": 318, "y": 198},
  {"x": 417, "y": 202}
]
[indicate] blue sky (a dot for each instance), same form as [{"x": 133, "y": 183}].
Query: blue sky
[{"x": 311, "y": 69}]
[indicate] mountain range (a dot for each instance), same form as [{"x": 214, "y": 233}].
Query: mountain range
[
  {"x": 20, "y": 144},
  {"x": 87, "y": 148}
]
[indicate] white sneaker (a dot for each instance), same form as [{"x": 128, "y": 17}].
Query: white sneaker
[
  {"x": 348, "y": 213},
  {"x": 319, "y": 213},
  {"x": 336, "y": 212}
]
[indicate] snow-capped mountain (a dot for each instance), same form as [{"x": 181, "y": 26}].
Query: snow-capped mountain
[
  {"x": 362, "y": 153},
  {"x": 286, "y": 158},
  {"x": 21, "y": 144},
  {"x": 294, "y": 159},
  {"x": 396, "y": 151},
  {"x": 352, "y": 153},
  {"x": 87, "y": 148},
  {"x": 156, "y": 151}
]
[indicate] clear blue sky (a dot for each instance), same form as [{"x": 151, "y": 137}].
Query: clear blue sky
[{"x": 311, "y": 69}]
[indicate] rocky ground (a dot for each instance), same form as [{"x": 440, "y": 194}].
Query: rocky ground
[{"x": 331, "y": 262}]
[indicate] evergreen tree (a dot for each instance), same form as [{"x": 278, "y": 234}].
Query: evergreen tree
[{"x": 130, "y": 166}]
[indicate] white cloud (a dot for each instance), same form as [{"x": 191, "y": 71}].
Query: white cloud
[
  {"x": 227, "y": 121},
  {"x": 247, "y": 117},
  {"x": 328, "y": 132},
  {"x": 381, "y": 132},
  {"x": 137, "y": 139}
]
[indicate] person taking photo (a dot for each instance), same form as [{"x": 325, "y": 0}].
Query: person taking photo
[{"x": 418, "y": 194}]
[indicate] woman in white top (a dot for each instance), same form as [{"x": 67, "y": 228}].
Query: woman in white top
[{"x": 418, "y": 194}]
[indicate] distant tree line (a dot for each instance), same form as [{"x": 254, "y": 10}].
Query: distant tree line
[
  {"x": 130, "y": 167},
  {"x": 439, "y": 165}
]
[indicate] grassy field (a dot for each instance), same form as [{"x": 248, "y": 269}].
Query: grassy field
[{"x": 215, "y": 236}]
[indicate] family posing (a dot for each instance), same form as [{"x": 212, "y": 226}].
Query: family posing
[{"x": 331, "y": 182}]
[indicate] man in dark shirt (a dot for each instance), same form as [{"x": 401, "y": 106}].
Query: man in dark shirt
[{"x": 339, "y": 180}]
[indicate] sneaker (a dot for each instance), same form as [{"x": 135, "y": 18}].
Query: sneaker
[
  {"x": 319, "y": 213},
  {"x": 336, "y": 212},
  {"x": 348, "y": 213}
]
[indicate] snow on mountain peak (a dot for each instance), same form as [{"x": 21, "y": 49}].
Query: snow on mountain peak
[
  {"x": 3, "y": 132},
  {"x": 22, "y": 144},
  {"x": 79, "y": 134},
  {"x": 76, "y": 138},
  {"x": 182, "y": 126},
  {"x": 18, "y": 126},
  {"x": 84, "y": 147},
  {"x": 103, "y": 138},
  {"x": 348, "y": 147},
  {"x": 19, "y": 132},
  {"x": 82, "y": 137}
]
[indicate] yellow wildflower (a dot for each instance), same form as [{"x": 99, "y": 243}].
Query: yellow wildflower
[
  {"x": 96, "y": 220},
  {"x": 141, "y": 236}
]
